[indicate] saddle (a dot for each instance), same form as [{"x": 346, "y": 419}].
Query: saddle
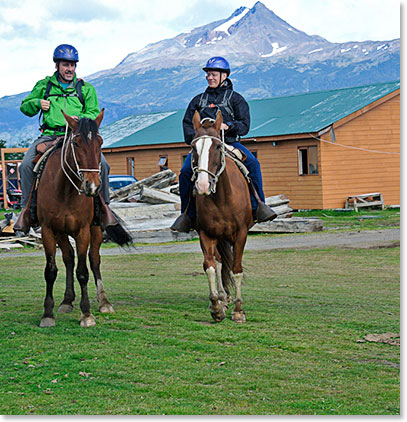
[{"x": 238, "y": 157}]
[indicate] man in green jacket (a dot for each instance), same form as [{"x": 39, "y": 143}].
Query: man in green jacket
[{"x": 61, "y": 91}]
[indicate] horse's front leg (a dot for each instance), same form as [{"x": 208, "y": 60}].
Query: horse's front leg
[
  {"x": 50, "y": 274},
  {"x": 217, "y": 306},
  {"x": 96, "y": 237},
  {"x": 238, "y": 314},
  {"x": 82, "y": 274},
  {"x": 68, "y": 256}
]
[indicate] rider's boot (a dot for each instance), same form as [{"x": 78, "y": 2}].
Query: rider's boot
[
  {"x": 28, "y": 214},
  {"x": 182, "y": 224},
  {"x": 104, "y": 214},
  {"x": 264, "y": 213},
  {"x": 23, "y": 221}
]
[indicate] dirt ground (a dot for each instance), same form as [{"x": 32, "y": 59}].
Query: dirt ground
[{"x": 351, "y": 239}]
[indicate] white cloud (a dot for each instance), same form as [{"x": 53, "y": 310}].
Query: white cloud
[{"x": 104, "y": 34}]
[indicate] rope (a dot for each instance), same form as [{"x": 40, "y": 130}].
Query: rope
[{"x": 350, "y": 147}]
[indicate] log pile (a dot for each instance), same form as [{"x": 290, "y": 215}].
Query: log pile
[
  {"x": 8, "y": 239},
  {"x": 150, "y": 206},
  {"x": 134, "y": 191}
]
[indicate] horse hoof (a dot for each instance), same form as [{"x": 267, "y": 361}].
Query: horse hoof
[
  {"x": 107, "y": 308},
  {"x": 65, "y": 308},
  {"x": 239, "y": 317},
  {"x": 87, "y": 321},
  {"x": 47, "y": 322},
  {"x": 218, "y": 315}
]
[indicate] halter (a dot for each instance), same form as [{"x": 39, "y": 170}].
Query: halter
[
  {"x": 215, "y": 177},
  {"x": 66, "y": 145}
]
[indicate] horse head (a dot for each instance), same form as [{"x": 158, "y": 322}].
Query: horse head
[
  {"x": 208, "y": 153},
  {"x": 82, "y": 151}
]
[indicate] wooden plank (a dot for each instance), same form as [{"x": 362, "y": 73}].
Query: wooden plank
[{"x": 156, "y": 196}]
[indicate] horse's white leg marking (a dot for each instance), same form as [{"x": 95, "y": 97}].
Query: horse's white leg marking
[
  {"x": 216, "y": 308},
  {"x": 221, "y": 290},
  {"x": 238, "y": 315},
  {"x": 104, "y": 304},
  {"x": 211, "y": 274},
  {"x": 238, "y": 285}
]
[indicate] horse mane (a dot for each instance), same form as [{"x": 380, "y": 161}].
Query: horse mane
[{"x": 86, "y": 126}]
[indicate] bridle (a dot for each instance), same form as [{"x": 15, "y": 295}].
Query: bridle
[
  {"x": 214, "y": 176},
  {"x": 68, "y": 144}
]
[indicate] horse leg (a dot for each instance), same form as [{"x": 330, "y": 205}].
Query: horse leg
[
  {"x": 82, "y": 274},
  {"x": 96, "y": 237},
  {"x": 221, "y": 291},
  {"x": 216, "y": 307},
  {"x": 238, "y": 314},
  {"x": 68, "y": 256},
  {"x": 224, "y": 294},
  {"x": 50, "y": 274}
]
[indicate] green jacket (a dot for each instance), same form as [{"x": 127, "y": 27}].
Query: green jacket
[{"x": 72, "y": 106}]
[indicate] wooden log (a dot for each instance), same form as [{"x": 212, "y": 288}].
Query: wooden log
[
  {"x": 289, "y": 225},
  {"x": 132, "y": 211},
  {"x": 162, "y": 178},
  {"x": 156, "y": 196},
  {"x": 276, "y": 200},
  {"x": 282, "y": 209}
]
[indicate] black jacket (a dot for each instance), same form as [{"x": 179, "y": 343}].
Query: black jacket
[{"x": 234, "y": 108}]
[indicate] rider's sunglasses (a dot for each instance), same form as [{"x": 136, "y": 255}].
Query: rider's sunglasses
[{"x": 212, "y": 74}]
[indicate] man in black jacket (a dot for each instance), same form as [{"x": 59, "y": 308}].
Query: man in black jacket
[{"x": 219, "y": 95}]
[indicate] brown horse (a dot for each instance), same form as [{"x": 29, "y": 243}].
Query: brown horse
[
  {"x": 65, "y": 207},
  {"x": 223, "y": 217}
]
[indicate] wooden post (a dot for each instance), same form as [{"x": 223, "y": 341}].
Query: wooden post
[{"x": 4, "y": 162}]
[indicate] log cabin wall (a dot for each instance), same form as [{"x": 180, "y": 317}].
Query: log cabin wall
[
  {"x": 279, "y": 165},
  {"x": 146, "y": 159},
  {"x": 347, "y": 171}
]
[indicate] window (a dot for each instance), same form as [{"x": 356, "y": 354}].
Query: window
[
  {"x": 163, "y": 162},
  {"x": 307, "y": 160},
  {"x": 131, "y": 168}
]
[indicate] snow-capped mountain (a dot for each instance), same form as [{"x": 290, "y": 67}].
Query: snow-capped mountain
[{"x": 268, "y": 58}]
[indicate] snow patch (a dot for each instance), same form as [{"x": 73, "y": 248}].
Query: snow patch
[
  {"x": 224, "y": 27},
  {"x": 276, "y": 49},
  {"x": 314, "y": 51},
  {"x": 344, "y": 50},
  {"x": 384, "y": 46}
]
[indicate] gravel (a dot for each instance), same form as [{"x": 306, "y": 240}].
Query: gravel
[{"x": 320, "y": 240}]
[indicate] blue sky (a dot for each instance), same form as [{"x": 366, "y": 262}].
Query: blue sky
[{"x": 104, "y": 32}]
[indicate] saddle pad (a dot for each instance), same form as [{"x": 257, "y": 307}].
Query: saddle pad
[{"x": 237, "y": 153}]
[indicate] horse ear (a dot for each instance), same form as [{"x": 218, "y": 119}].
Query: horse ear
[
  {"x": 99, "y": 118},
  {"x": 196, "y": 120},
  {"x": 72, "y": 123},
  {"x": 218, "y": 121}
]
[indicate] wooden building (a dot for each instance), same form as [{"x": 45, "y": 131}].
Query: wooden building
[{"x": 317, "y": 148}]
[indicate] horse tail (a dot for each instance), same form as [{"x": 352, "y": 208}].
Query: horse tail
[
  {"x": 118, "y": 233},
  {"x": 225, "y": 251}
]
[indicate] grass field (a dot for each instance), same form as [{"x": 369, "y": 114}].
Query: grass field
[{"x": 160, "y": 353}]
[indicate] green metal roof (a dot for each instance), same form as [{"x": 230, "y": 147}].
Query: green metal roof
[{"x": 296, "y": 114}]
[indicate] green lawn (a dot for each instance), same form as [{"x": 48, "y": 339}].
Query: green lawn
[{"x": 160, "y": 353}]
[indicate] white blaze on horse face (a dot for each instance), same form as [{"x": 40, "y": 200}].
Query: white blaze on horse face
[{"x": 202, "y": 183}]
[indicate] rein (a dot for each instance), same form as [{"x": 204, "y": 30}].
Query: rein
[
  {"x": 215, "y": 177},
  {"x": 66, "y": 145}
]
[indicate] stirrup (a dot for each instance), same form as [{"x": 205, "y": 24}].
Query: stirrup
[
  {"x": 182, "y": 224},
  {"x": 264, "y": 213},
  {"x": 23, "y": 221}
]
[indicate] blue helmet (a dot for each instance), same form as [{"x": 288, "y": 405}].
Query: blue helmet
[
  {"x": 66, "y": 52},
  {"x": 217, "y": 63}
]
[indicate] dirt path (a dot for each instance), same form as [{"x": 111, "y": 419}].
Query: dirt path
[{"x": 352, "y": 239}]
